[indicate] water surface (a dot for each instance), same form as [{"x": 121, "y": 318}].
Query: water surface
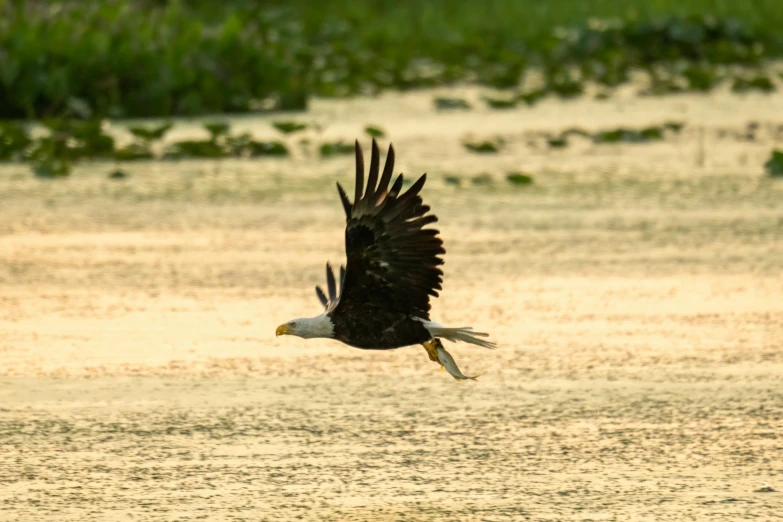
[{"x": 634, "y": 291}]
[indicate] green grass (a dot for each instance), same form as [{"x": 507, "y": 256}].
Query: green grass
[{"x": 138, "y": 58}]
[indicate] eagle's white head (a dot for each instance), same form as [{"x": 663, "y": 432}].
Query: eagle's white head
[{"x": 308, "y": 327}]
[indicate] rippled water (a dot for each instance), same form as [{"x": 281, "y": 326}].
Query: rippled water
[{"x": 634, "y": 291}]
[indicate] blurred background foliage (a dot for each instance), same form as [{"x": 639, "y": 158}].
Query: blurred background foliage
[{"x": 158, "y": 58}]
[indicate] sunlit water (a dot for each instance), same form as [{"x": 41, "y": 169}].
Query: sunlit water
[{"x": 634, "y": 291}]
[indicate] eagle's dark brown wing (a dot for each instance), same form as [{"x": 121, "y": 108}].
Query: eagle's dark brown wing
[{"x": 392, "y": 259}]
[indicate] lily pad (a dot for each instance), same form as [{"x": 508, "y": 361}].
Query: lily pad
[
  {"x": 74, "y": 139},
  {"x": 238, "y": 145},
  {"x": 557, "y": 142},
  {"x": 758, "y": 83},
  {"x": 566, "y": 87},
  {"x": 14, "y": 141},
  {"x": 445, "y": 104},
  {"x": 483, "y": 147},
  {"x": 267, "y": 148},
  {"x": 52, "y": 168},
  {"x": 576, "y": 131},
  {"x": 151, "y": 133},
  {"x": 217, "y": 129},
  {"x": 532, "y": 97},
  {"x": 700, "y": 78},
  {"x": 674, "y": 126},
  {"x": 501, "y": 103},
  {"x": 133, "y": 152},
  {"x": 482, "y": 179},
  {"x": 288, "y": 127},
  {"x": 774, "y": 165},
  {"x": 518, "y": 178},
  {"x": 614, "y": 136},
  {"x": 374, "y": 131},
  {"x": 651, "y": 133},
  {"x": 194, "y": 149},
  {"x": 336, "y": 149}
]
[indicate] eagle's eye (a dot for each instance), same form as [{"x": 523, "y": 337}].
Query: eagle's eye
[{"x": 292, "y": 324}]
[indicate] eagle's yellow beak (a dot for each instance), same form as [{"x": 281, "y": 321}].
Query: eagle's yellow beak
[{"x": 283, "y": 329}]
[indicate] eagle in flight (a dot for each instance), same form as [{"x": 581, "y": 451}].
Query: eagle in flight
[{"x": 392, "y": 270}]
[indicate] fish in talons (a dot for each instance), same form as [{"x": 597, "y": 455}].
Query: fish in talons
[{"x": 448, "y": 363}]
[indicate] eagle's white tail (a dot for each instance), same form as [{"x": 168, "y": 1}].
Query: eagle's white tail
[{"x": 465, "y": 334}]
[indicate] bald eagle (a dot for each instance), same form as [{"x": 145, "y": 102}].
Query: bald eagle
[{"x": 392, "y": 270}]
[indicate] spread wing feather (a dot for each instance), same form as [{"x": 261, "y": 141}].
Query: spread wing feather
[
  {"x": 331, "y": 299},
  {"x": 321, "y": 296},
  {"x": 392, "y": 260}
]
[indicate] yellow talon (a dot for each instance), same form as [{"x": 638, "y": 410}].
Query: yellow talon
[{"x": 432, "y": 350}]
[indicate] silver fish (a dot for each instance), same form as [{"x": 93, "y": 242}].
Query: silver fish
[{"x": 447, "y": 362}]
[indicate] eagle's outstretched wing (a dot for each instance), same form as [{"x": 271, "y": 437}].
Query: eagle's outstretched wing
[
  {"x": 392, "y": 259},
  {"x": 331, "y": 300}
]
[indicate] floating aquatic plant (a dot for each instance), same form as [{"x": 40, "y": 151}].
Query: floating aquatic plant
[
  {"x": 482, "y": 179},
  {"x": 557, "y": 142},
  {"x": 446, "y": 104},
  {"x": 14, "y": 141},
  {"x": 118, "y": 174},
  {"x": 501, "y": 103},
  {"x": 374, "y": 131},
  {"x": 452, "y": 180},
  {"x": 484, "y": 146},
  {"x": 774, "y": 165},
  {"x": 289, "y": 127},
  {"x": 761, "y": 83},
  {"x": 266, "y": 148},
  {"x": 134, "y": 152},
  {"x": 150, "y": 133},
  {"x": 532, "y": 97},
  {"x": 518, "y": 178},
  {"x": 336, "y": 149}
]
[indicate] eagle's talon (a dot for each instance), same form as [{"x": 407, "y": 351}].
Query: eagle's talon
[{"x": 432, "y": 349}]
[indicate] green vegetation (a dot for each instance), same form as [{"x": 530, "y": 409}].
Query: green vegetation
[
  {"x": 482, "y": 179},
  {"x": 336, "y": 149},
  {"x": 452, "y": 180},
  {"x": 774, "y": 165},
  {"x": 14, "y": 140},
  {"x": 618, "y": 135},
  {"x": 288, "y": 127},
  {"x": 374, "y": 131},
  {"x": 484, "y": 146},
  {"x": 69, "y": 141},
  {"x": 448, "y": 104},
  {"x": 629, "y": 135},
  {"x": 760, "y": 82},
  {"x": 558, "y": 142},
  {"x": 501, "y": 102},
  {"x": 518, "y": 178},
  {"x": 142, "y": 58},
  {"x": 149, "y": 134}
]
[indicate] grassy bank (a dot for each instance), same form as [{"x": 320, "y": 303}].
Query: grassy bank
[{"x": 134, "y": 58}]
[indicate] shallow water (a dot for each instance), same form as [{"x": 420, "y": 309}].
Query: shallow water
[{"x": 634, "y": 291}]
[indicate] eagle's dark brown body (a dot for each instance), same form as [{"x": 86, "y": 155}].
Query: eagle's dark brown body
[{"x": 393, "y": 261}]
